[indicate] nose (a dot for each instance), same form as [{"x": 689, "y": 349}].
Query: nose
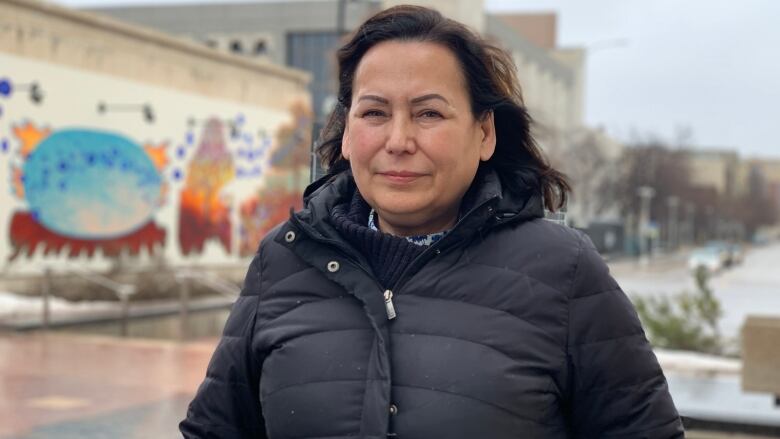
[{"x": 401, "y": 138}]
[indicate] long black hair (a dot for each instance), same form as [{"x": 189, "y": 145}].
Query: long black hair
[{"x": 492, "y": 85}]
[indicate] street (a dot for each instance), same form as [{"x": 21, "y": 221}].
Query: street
[{"x": 750, "y": 288}]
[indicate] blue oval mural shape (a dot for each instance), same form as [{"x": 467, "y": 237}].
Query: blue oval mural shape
[{"x": 90, "y": 184}]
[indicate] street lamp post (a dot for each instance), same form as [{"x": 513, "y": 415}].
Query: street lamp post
[
  {"x": 671, "y": 229},
  {"x": 711, "y": 226},
  {"x": 691, "y": 222},
  {"x": 646, "y": 194},
  {"x": 341, "y": 12}
]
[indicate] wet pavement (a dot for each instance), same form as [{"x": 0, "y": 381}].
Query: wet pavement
[
  {"x": 67, "y": 386},
  {"x": 70, "y": 386},
  {"x": 749, "y": 288}
]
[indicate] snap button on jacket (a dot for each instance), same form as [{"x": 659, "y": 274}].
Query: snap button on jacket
[{"x": 508, "y": 327}]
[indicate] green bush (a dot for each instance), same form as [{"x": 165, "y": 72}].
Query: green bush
[{"x": 685, "y": 321}]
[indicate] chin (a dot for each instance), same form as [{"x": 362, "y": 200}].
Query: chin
[{"x": 400, "y": 209}]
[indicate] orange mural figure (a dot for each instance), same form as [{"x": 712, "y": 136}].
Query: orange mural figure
[{"x": 203, "y": 214}]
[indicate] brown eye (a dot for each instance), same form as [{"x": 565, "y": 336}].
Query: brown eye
[
  {"x": 373, "y": 113},
  {"x": 430, "y": 114}
]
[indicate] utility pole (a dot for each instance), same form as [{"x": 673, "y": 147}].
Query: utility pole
[
  {"x": 691, "y": 222},
  {"x": 341, "y": 17},
  {"x": 671, "y": 229},
  {"x": 646, "y": 194}
]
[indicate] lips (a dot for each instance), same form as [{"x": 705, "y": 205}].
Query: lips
[{"x": 401, "y": 176}]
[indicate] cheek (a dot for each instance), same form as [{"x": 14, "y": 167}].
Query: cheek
[
  {"x": 453, "y": 149},
  {"x": 362, "y": 144}
]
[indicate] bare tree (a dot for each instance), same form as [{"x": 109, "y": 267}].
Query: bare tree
[{"x": 652, "y": 164}]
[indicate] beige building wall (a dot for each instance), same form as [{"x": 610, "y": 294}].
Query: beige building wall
[
  {"x": 550, "y": 100},
  {"x": 769, "y": 170},
  {"x": 93, "y": 42},
  {"x": 716, "y": 169},
  {"x": 540, "y": 29},
  {"x": 468, "y": 12},
  {"x": 552, "y": 79},
  {"x": 574, "y": 59}
]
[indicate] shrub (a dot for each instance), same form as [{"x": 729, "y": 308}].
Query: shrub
[{"x": 685, "y": 321}]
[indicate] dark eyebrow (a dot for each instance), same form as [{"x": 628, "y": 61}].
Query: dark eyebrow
[
  {"x": 381, "y": 100},
  {"x": 427, "y": 97}
]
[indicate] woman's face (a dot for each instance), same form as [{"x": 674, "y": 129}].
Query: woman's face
[{"x": 411, "y": 139}]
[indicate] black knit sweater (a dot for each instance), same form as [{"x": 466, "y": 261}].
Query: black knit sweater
[{"x": 388, "y": 255}]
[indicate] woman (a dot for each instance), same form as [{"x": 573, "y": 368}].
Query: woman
[{"x": 420, "y": 293}]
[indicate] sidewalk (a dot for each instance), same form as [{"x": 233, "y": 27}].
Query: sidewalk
[
  {"x": 71, "y": 387},
  {"x": 657, "y": 263}
]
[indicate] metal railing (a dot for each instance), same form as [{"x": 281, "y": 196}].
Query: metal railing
[
  {"x": 185, "y": 278},
  {"x": 122, "y": 292}
]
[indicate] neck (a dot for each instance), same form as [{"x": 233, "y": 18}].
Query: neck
[{"x": 441, "y": 223}]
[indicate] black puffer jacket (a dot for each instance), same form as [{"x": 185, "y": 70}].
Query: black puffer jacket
[{"x": 509, "y": 327}]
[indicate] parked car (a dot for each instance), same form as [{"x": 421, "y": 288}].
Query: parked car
[
  {"x": 737, "y": 254},
  {"x": 731, "y": 253},
  {"x": 711, "y": 258},
  {"x": 723, "y": 248}
]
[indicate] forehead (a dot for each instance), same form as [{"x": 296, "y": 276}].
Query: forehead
[{"x": 409, "y": 67}]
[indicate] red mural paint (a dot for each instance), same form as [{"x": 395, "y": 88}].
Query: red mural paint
[
  {"x": 27, "y": 234},
  {"x": 201, "y": 219},
  {"x": 203, "y": 215},
  {"x": 261, "y": 213}
]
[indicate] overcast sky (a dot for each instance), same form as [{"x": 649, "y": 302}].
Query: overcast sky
[{"x": 711, "y": 67}]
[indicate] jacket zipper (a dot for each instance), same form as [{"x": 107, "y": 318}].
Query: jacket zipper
[
  {"x": 389, "y": 307},
  {"x": 388, "y": 294}
]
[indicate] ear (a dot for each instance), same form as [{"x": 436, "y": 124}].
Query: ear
[
  {"x": 487, "y": 127},
  {"x": 346, "y": 150}
]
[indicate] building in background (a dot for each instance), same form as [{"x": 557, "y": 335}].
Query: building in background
[
  {"x": 552, "y": 77},
  {"x": 731, "y": 176},
  {"x": 298, "y": 34},
  {"x": 124, "y": 144},
  {"x": 718, "y": 169},
  {"x": 305, "y": 33},
  {"x": 739, "y": 196},
  {"x": 553, "y": 80}
]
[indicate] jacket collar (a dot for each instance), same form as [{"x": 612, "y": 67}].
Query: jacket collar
[{"x": 487, "y": 203}]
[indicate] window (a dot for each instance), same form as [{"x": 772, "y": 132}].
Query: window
[
  {"x": 314, "y": 52},
  {"x": 261, "y": 47}
]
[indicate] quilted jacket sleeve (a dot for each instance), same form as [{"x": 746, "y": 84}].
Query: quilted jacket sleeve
[
  {"x": 617, "y": 388},
  {"x": 227, "y": 403}
]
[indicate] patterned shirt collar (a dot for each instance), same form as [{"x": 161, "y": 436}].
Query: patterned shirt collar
[{"x": 424, "y": 240}]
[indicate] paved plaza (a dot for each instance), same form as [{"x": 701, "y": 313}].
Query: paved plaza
[
  {"x": 70, "y": 386},
  {"x": 75, "y": 386}
]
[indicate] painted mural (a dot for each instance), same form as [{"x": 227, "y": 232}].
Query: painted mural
[
  {"x": 86, "y": 189},
  {"x": 290, "y": 162},
  {"x": 204, "y": 213},
  {"x": 119, "y": 169}
]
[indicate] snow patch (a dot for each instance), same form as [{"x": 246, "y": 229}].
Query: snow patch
[
  {"x": 16, "y": 305},
  {"x": 697, "y": 364}
]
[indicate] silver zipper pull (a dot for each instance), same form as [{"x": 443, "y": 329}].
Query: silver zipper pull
[{"x": 389, "y": 305}]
